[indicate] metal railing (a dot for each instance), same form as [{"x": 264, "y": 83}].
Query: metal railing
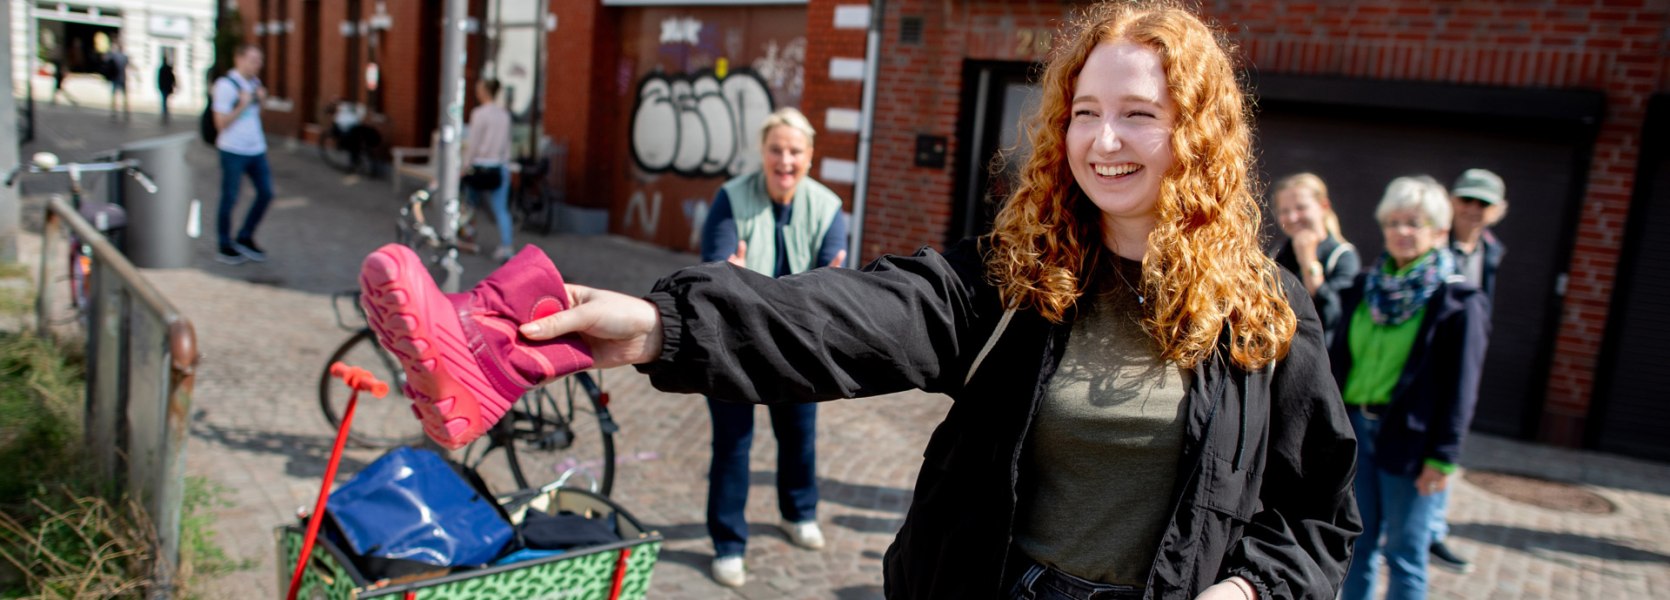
[{"x": 141, "y": 362}]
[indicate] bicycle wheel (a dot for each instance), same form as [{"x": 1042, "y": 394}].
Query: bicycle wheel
[
  {"x": 566, "y": 438},
  {"x": 378, "y": 422}
]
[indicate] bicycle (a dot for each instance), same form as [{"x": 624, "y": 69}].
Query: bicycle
[{"x": 104, "y": 216}]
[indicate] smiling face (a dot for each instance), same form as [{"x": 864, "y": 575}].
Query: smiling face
[
  {"x": 1409, "y": 234},
  {"x": 1298, "y": 209},
  {"x": 1119, "y": 132},
  {"x": 788, "y": 156}
]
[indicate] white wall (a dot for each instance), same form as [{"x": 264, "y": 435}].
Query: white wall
[{"x": 141, "y": 37}]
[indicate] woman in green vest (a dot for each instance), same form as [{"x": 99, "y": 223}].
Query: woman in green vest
[{"x": 775, "y": 222}]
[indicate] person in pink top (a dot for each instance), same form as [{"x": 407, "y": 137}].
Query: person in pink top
[{"x": 487, "y": 159}]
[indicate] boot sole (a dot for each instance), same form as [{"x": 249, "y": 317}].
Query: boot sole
[{"x": 416, "y": 323}]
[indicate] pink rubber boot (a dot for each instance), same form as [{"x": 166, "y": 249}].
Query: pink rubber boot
[{"x": 465, "y": 362}]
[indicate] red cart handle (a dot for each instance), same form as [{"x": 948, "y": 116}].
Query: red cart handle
[{"x": 360, "y": 380}]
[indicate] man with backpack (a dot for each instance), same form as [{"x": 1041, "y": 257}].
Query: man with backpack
[
  {"x": 233, "y": 124},
  {"x": 116, "y": 70}
]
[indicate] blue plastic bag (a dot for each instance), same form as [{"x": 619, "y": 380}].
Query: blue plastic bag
[{"x": 411, "y": 505}]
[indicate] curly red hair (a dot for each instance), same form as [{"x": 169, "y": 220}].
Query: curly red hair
[{"x": 1204, "y": 269}]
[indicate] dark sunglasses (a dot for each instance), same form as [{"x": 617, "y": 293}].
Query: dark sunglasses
[{"x": 1472, "y": 200}]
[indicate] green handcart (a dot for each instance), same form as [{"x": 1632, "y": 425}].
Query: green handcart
[{"x": 615, "y": 571}]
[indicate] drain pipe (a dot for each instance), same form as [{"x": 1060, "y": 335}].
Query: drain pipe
[{"x": 866, "y": 129}]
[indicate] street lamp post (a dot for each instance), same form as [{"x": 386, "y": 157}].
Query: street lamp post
[{"x": 448, "y": 155}]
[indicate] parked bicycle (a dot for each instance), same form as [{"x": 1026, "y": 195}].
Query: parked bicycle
[{"x": 106, "y": 217}]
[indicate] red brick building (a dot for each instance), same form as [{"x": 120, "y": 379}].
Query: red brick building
[{"x": 1556, "y": 95}]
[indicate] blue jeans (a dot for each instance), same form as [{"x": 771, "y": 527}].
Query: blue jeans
[
  {"x": 233, "y": 168},
  {"x": 728, "y": 480},
  {"x": 1390, "y": 507},
  {"x": 1441, "y": 516},
  {"x": 1043, "y": 583},
  {"x": 500, "y": 202}
]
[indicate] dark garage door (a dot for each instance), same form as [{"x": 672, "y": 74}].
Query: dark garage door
[
  {"x": 1358, "y": 151},
  {"x": 1634, "y": 374}
]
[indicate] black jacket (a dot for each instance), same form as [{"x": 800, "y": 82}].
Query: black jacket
[
  {"x": 1432, "y": 404},
  {"x": 1265, "y": 477},
  {"x": 1338, "y": 273}
]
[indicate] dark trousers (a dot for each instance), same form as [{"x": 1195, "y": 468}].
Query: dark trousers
[
  {"x": 233, "y": 168},
  {"x": 795, "y": 426}
]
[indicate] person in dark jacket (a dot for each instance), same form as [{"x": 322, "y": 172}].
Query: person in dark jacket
[
  {"x": 1407, "y": 361},
  {"x": 1478, "y": 201},
  {"x": 1143, "y": 407},
  {"x": 794, "y": 224},
  {"x": 165, "y": 85},
  {"x": 1316, "y": 251}
]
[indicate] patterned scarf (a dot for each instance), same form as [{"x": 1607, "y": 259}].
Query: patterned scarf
[{"x": 1393, "y": 297}]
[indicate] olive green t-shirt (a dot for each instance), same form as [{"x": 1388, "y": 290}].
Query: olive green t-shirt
[{"x": 1100, "y": 462}]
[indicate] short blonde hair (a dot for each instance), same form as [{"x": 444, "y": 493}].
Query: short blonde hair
[
  {"x": 1420, "y": 192},
  {"x": 789, "y": 117}
]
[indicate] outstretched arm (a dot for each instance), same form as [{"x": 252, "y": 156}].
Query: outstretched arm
[{"x": 828, "y": 333}]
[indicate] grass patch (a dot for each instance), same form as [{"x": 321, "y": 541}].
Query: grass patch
[
  {"x": 60, "y": 535},
  {"x": 17, "y": 292},
  {"x": 14, "y": 270}
]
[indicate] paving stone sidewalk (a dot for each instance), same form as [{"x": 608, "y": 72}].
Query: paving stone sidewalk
[{"x": 265, "y": 330}]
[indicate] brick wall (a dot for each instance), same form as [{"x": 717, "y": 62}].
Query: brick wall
[
  {"x": 1616, "y": 46},
  {"x": 577, "y": 60},
  {"x": 825, "y": 41}
]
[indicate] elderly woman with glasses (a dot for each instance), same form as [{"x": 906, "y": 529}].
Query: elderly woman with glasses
[{"x": 1407, "y": 361}]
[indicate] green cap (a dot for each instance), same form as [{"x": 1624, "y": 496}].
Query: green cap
[{"x": 1480, "y": 184}]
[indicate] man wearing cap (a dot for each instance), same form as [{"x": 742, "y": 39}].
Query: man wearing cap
[{"x": 1478, "y": 200}]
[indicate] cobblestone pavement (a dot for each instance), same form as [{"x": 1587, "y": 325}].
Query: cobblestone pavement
[{"x": 265, "y": 331}]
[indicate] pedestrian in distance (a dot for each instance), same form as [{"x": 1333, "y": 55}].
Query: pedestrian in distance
[
  {"x": 1407, "y": 361},
  {"x": 487, "y": 152},
  {"x": 1316, "y": 250},
  {"x": 776, "y": 222},
  {"x": 60, "y": 70},
  {"x": 1478, "y": 201},
  {"x": 165, "y": 85},
  {"x": 236, "y": 102},
  {"x": 116, "y": 68}
]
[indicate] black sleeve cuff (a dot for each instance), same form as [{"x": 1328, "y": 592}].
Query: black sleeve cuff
[{"x": 672, "y": 334}]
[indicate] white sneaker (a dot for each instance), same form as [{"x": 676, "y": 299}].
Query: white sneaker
[
  {"x": 806, "y": 534},
  {"x": 504, "y": 253},
  {"x": 729, "y": 572}
]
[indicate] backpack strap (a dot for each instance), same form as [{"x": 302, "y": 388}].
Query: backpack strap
[
  {"x": 1333, "y": 257},
  {"x": 1002, "y": 324}
]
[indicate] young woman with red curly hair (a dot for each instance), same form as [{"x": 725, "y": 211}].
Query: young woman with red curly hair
[{"x": 1143, "y": 403}]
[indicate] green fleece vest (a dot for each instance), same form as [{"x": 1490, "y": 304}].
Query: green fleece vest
[{"x": 814, "y": 209}]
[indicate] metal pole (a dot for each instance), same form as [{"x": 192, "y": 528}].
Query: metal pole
[
  {"x": 866, "y": 131},
  {"x": 447, "y": 167},
  {"x": 9, "y": 210}
]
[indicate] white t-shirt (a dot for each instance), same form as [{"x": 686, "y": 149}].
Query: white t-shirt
[{"x": 243, "y": 135}]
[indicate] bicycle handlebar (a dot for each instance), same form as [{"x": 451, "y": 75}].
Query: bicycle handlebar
[
  {"x": 143, "y": 179},
  {"x": 129, "y": 166}
]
